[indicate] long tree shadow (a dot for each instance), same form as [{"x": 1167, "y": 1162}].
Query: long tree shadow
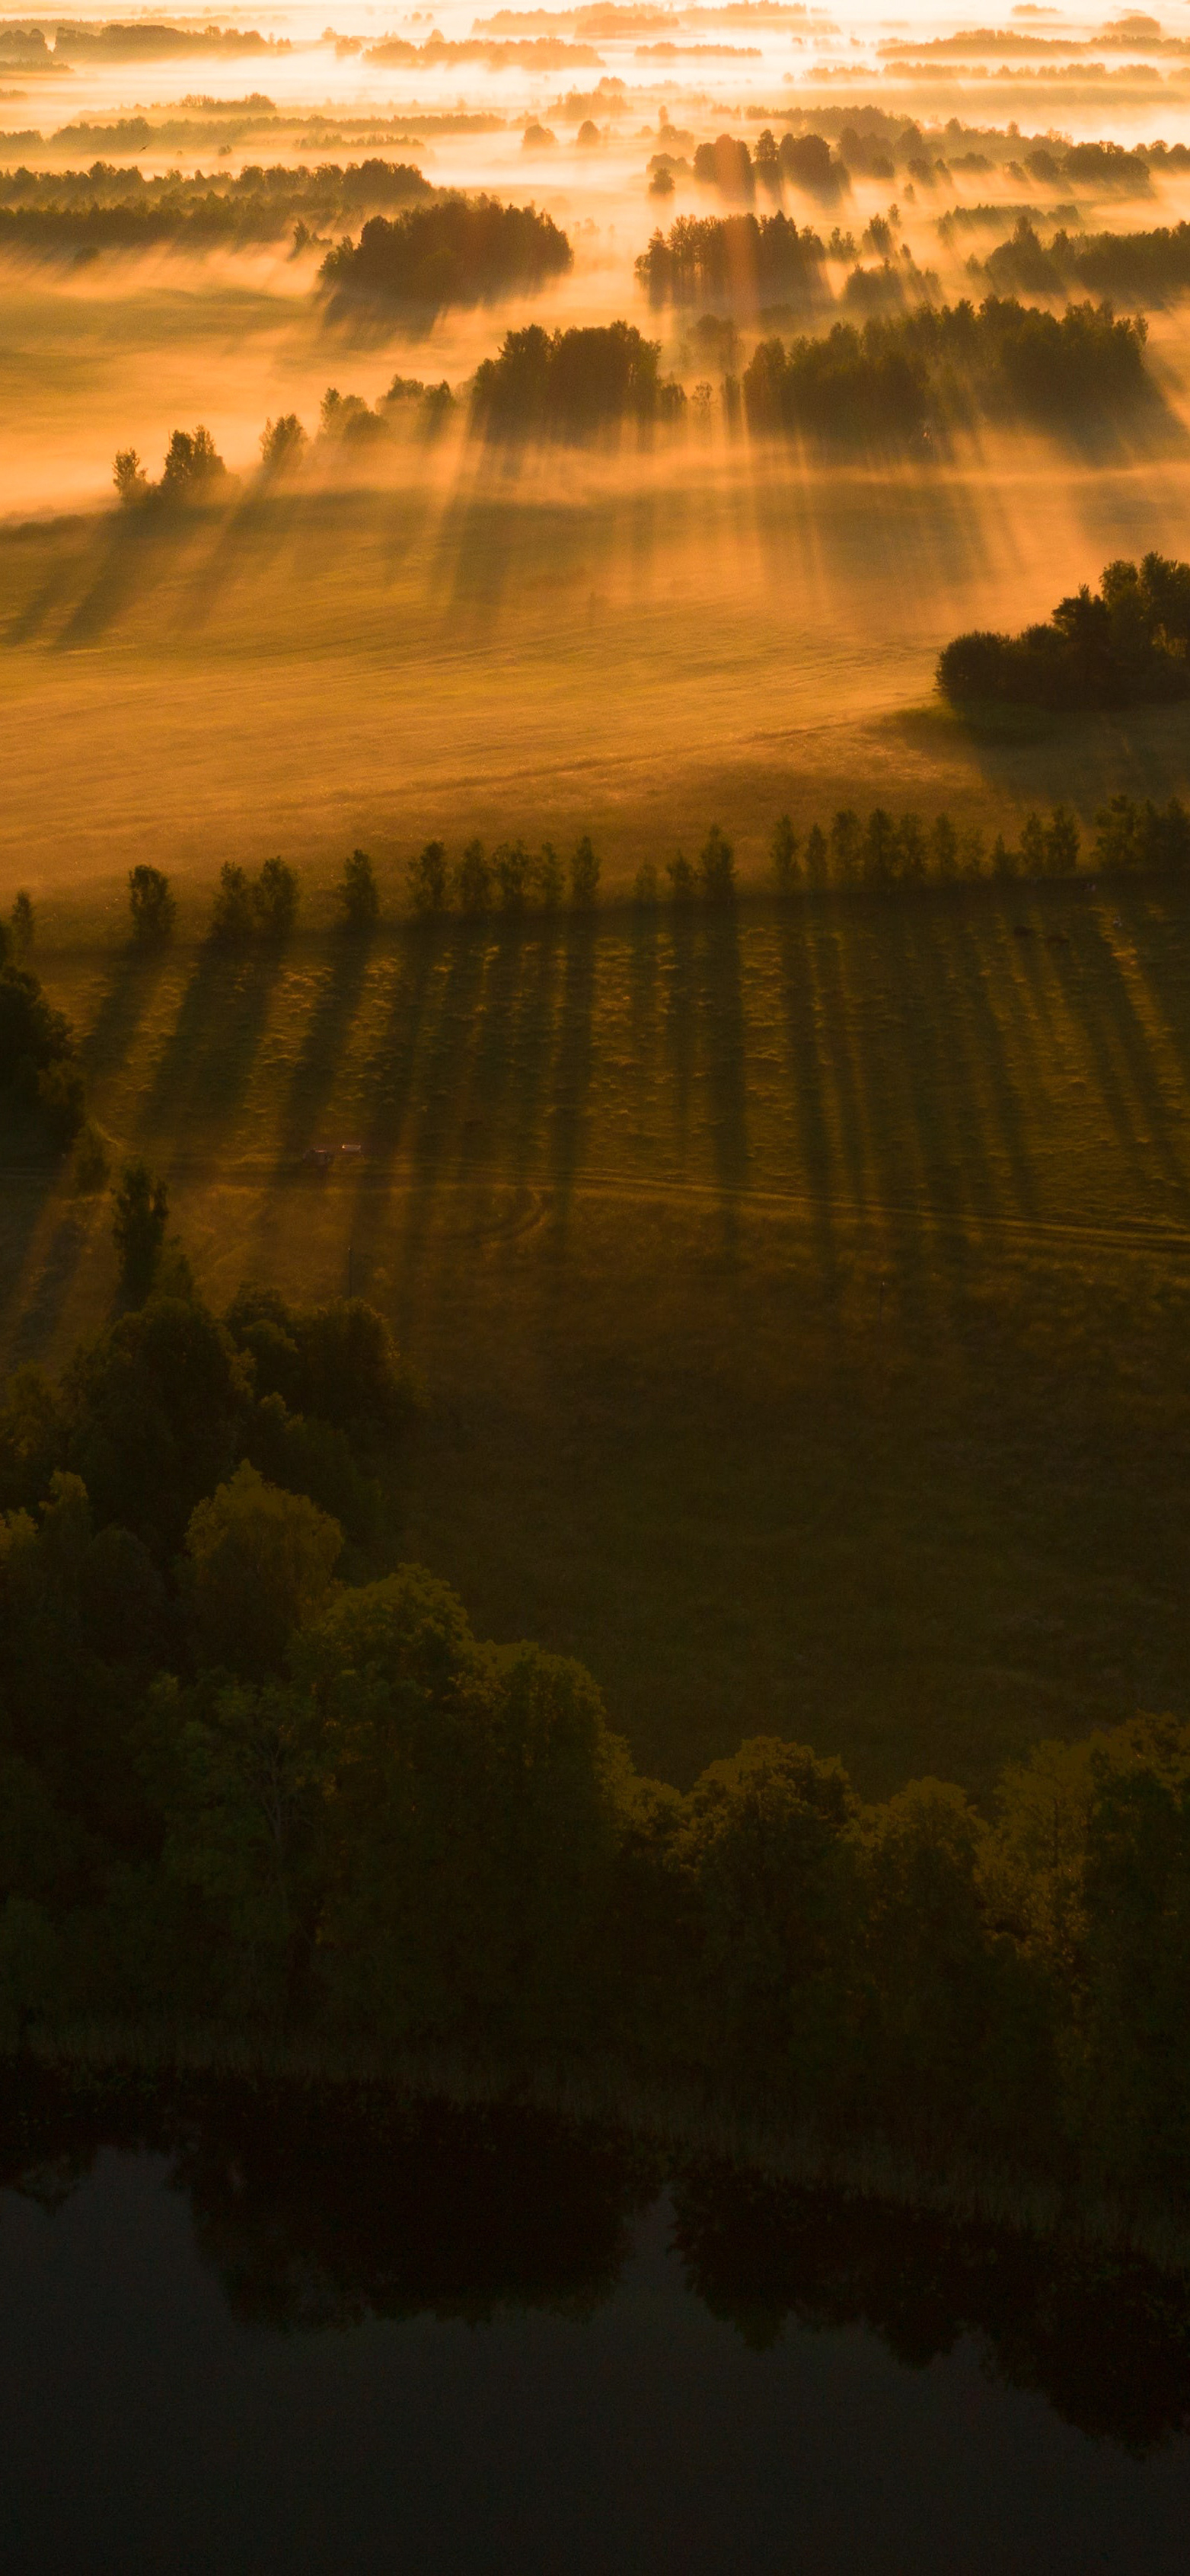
[
  {"x": 721, "y": 1017},
  {"x": 799, "y": 1003},
  {"x": 326, "y": 1035},
  {"x": 135, "y": 980},
  {"x": 680, "y": 1024},
  {"x": 131, "y": 557},
  {"x": 571, "y": 1082},
  {"x": 206, "y": 1065}
]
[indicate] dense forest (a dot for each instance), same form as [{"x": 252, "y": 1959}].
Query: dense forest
[
  {"x": 740, "y": 259},
  {"x": 1144, "y": 268},
  {"x": 568, "y": 384},
  {"x": 1124, "y": 645},
  {"x": 253, "y": 1774},
  {"x": 81, "y": 214},
  {"x": 459, "y": 251},
  {"x": 898, "y": 376}
]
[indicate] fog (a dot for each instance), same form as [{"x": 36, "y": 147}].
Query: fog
[{"x": 776, "y": 605}]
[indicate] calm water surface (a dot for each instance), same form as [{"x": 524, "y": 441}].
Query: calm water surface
[{"x": 235, "y": 2337}]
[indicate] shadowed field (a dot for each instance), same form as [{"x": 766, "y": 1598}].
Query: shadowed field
[{"x": 802, "y": 1295}]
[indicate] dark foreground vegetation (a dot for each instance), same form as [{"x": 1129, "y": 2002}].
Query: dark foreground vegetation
[
  {"x": 459, "y": 251},
  {"x": 254, "y": 1777},
  {"x": 77, "y": 214},
  {"x": 897, "y": 378},
  {"x": 301, "y": 2194},
  {"x": 1124, "y": 645}
]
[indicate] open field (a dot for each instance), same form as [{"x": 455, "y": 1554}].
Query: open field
[
  {"x": 565, "y": 648},
  {"x": 802, "y": 1295}
]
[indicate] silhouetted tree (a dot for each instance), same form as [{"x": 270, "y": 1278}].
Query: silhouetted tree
[
  {"x": 357, "y": 894},
  {"x": 682, "y": 880},
  {"x": 22, "y": 924},
  {"x": 234, "y": 917},
  {"x": 428, "y": 889},
  {"x": 151, "y": 905},
  {"x": 716, "y": 868},
  {"x": 783, "y": 854},
  {"x": 260, "y": 1562},
  {"x": 817, "y": 856},
  {"x": 473, "y": 881},
  {"x": 281, "y": 442},
  {"x": 584, "y": 875},
  {"x": 129, "y": 477},
  {"x": 275, "y": 899}
]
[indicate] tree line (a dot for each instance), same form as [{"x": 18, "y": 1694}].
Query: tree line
[
  {"x": 254, "y": 1774},
  {"x": 1126, "y": 644},
  {"x": 82, "y": 214},
  {"x": 738, "y": 258},
  {"x": 571, "y": 383}
]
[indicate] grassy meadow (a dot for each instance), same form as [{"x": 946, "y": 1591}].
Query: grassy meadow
[{"x": 801, "y": 1293}]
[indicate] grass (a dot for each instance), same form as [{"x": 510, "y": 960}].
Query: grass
[{"x": 802, "y": 1295}]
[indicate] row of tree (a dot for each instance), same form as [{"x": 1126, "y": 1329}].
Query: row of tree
[
  {"x": 1126, "y": 644},
  {"x": 569, "y": 384},
  {"x": 79, "y": 216},
  {"x": 247, "y": 1776},
  {"x": 740, "y": 259}
]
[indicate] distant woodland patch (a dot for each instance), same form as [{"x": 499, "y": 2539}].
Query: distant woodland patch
[
  {"x": 460, "y": 251},
  {"x": 1144, "y": 268},
  {"x": 78, "y": 215},
  {"x": 569, "y": 383},
  {"x": 896, "y": 378},
  {"x": 1125, "y": 645},
  {"x": 734, "y": 258}
]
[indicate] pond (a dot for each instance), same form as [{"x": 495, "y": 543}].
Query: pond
[{"x": 242, "y": 2329}]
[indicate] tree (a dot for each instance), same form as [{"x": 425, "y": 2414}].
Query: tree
[
  {"x": 234, "y": 917},
  {"x": 428, "y": 892},
  {"x": 783, "y": 847},
  {"x": 546, "y": 877},
  {"x": 584, "y": 875},
  {"x": 260, "y": 1565},
  {"x": 944, "y": 848},
  {"x": 511, "y": 868},
  {"x": 22, "y": 923},
  {"x": 473, "y": 881},
  {"x": 138, "y": 1229},
  {"x": 817, "y": 858},
  {"x": 281, "y": 443},
  {"x": 192, "y": 463},
  {"x": 1034, "y": 852},
  {"x": 357, "y": 894},
  {"x": 153, "y": 1416},
  {"x": 846, "y": 842},
  {"x": 151, "y": 905},
  {"x": 1063, "y": 841},
  {"x": 129, "y": 477},
  {"x": 275, "y": 899},
  {"x": 716, "y": 868},
  {"x": 681, "y": 879},
  {"x": 880, "y": 848}
]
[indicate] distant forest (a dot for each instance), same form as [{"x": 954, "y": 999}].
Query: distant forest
[
  {"x": 1125, "y": 645},
  {"x": 80, "y": 215},
  {"x": 460, "y": 251},
  {"x": 896, "y": 377}
]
